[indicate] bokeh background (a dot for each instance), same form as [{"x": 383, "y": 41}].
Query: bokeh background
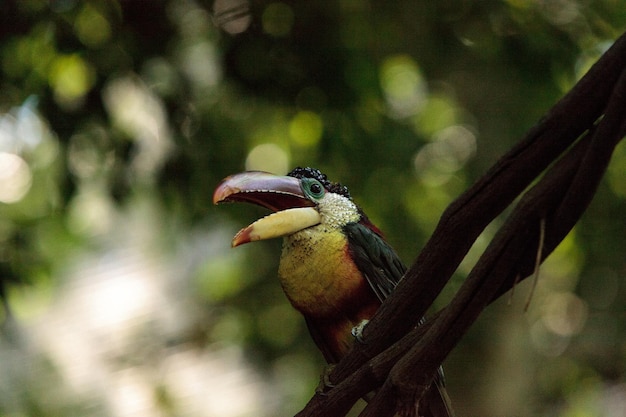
[{"x": 118, "y": 118}]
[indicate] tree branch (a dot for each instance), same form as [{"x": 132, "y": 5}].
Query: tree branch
[{"x": 408, "y": 354}]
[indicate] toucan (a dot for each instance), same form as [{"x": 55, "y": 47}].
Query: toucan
[{"x": 335, "y": 268}]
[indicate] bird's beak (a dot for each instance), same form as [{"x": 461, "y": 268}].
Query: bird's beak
[{"x": 292, "y": 210}]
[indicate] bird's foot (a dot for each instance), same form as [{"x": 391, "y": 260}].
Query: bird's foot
[
  {"x": 357, "y": 331},
  {"x": 325, "y": 383}
]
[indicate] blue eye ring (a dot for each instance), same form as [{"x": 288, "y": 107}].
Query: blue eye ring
[{"x": 312, "y": 188}]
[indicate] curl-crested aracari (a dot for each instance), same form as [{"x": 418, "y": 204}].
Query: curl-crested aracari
[{"x": 335, "y": 267}]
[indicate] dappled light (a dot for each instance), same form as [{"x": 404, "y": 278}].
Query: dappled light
[
  {"x": 277, "y": 19},
  {"x": 233, "y": 16},
  {"x": 565, "y": 314},
  {"x": 121, "y": 295},
  {"x": 305, "y": 129},
  {"x": 27, "y": 150},
  {"x": 439, "y": 112},
  {"x": 449, "y": 151},
  {"x": 71, "y": 78},
  {"x": 268, "y": 157},
  {"x": 15, "y": 178},
  {"x": 403, "y": 85},
  {"x": 136, "y": 111},
  {"x": 92, "y": 27}
]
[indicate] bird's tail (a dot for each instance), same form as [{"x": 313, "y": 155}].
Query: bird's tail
[{"x": 436, "y": 402}]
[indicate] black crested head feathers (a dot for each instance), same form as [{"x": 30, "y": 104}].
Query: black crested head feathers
[{"x": 333, "y": 187}]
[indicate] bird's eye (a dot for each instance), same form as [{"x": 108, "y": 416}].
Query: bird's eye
[
  {"x": 315, "y": 188},
  {"x": 312, "y": 188}
]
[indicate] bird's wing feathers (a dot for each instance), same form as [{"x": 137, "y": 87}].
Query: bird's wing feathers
[
  {"x": 383, "y": 269},
  {"x": 376, "y": 260}
]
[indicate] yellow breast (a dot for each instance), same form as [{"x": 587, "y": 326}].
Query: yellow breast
[{"x": 316, "y": 272}]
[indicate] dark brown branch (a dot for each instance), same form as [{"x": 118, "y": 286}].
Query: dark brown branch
[
  {"x": 514, "y": 245},
  {"x": 467, "y": 217},
  {"x": 374, "y": 372},
  {"x": 560, "y": 197}
]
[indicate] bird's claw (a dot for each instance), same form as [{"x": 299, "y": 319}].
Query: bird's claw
[
  {"x": 325, "y": 383},
  {"x": 357, "y": 331}
]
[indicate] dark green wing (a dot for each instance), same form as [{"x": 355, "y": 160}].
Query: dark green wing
[
  {"x": 376, "y": 260},
  {"x": 383, "y": 269}
]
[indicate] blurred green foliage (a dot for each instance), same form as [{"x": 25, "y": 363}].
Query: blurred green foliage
[{"x": 118, "y": 118}]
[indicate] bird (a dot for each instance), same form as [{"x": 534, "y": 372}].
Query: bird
[{"x": 336, "y": 267}]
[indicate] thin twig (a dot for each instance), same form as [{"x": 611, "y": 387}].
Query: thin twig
[
  {"x": 518, "y": 277},
  {"x": 538, "y": 257}
]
